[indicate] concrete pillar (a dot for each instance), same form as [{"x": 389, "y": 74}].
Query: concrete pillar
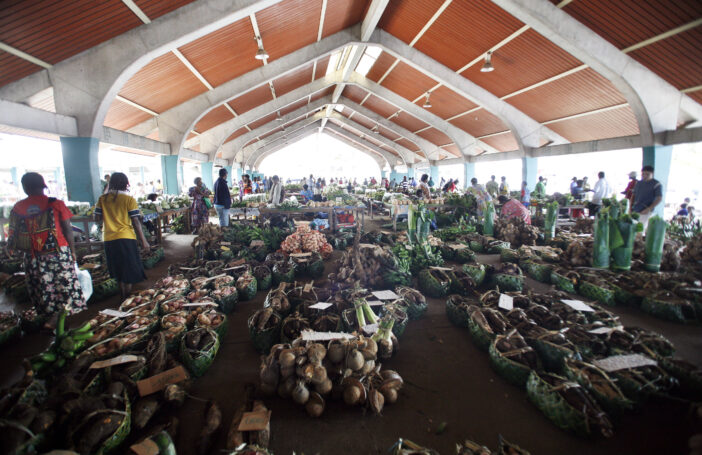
[
  {"x": 659, "y": 156},
  {"x": 170, "y": 167},
  {"x": 434, "y": 174},
  {"x": 239, "y": 173},
  {"x": 15, "y": 173},
  {"x": 206, "y": 171},
  {"x": 229, "y": 175},
  {"x": 468, "y": 173},
  {"x": 410, "y": 171},
  {"x": 80, "y": 163},
  {"x": 529, "y": 168}
]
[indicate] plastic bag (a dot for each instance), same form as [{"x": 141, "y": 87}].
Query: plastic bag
[
  {"x": 655, "y": 239},
  {"x": 489, "y": 219},
  {"x": 86, "y": 282},
  {"x": 600, "y": 247}
]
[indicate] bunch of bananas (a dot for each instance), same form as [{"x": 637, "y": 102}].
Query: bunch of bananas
[{"x": 66, "y": 345}]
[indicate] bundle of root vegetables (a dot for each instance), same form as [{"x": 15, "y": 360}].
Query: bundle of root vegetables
[
  {"x": 557, "y": 353},
  {"x": 313, "y": 372},
  {"x": 516, "y": 232},
  {"x": 305, "y": 240},
  {"x": 366, "y": 265}
]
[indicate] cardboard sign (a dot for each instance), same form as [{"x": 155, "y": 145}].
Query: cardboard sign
[
  {"x": 225, "y": 243},
  {"x": 578, "y": 305},
  {"x": 160, "y": 381},
  {"x": 370, "y": 329},
  {"x": 114, "y": 313},
  {"x": 311, "y": 335},
  {"x": 320, "y": 306},
  {"x": 375, "y": 303},
  {"x": 506, "y": 302},
  {"x": 624, "y": 362},
  {"x": 255, "y": 243},
  {"x": 385, "y": 295},
  {"x": 120, "y": 359},
  {"x": 255, "y": 421},
  {"x": 145, "y": 447}
]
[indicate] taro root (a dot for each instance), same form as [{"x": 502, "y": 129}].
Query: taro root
[{"x": 315, "y": 405}]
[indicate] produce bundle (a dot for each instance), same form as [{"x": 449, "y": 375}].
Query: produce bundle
[
  {"x": 584, "y": 226},
  {"x": 671, "y": 258},
  {"x": 420, "y": 256},
  {"x": 366, "y": 264},
  {"x": 489, "y": 219},
  {"x": 9, "y": 327},
  {"x": 550, "y": 220},
  {"x": 313, "y": 372},
  {"x": 655, "y": 239},
  {"x": 516, "y": 232},
  {"x": 65, "y": 346},
  {"x": 305, "y": 240},
  {"x": 264, "y": 329},
  {"x": 580, "y": 252}
]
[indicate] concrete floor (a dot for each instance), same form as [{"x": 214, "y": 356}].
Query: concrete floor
[{"x": 447, "y": 379}]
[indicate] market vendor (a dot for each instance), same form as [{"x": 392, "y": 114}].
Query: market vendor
[
  {"x": 40, "y": 229},
  {"x": 277, "y": 193},
  {"x": 648, "y": 193},
  {"x": 481, "y": 196},
  {"x": 222, "y": 198},
  {"x": 512, "y": 208},
  {"x": 423, "y": 190},
  {"x": 119, "y": 214},
  {"x": 307, "y": 193},
  {"x": 199, "y": 207}
]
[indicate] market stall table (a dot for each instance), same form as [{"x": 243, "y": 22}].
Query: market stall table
[
  {"x": 330, "y": 211},
  {"x": 162, "y": 219}
]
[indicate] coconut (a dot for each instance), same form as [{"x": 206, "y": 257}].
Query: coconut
[
  {"x": 287, "y": 371},
  {"x": 354, "y": 360},
  {"x": 315, "y": 405},
  {"x": 300, "y": 394},
  {"x": 353, "y": 391}
]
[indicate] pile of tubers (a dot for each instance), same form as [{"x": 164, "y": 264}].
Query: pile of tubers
[
  {"x": 311, "y": 372},
  {"x": 516, "y": 232}
]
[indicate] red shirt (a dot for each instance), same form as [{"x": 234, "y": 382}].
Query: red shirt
[{"x": 36, "y": 204}]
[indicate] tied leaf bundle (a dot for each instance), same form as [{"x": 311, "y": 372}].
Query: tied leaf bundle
[
  {"x": 600, "y": 247},
  {"x": 550, "y": 220},
  {"x": 627, "y": 227},
  {"x": 655, "y": 240},
  {"x": 489, "y": 220}
]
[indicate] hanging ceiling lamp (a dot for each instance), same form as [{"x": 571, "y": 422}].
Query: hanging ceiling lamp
[
  {"x": 376, "y": 130},
  {"x": 427, "y": 103},
  {"x": 261, "y": 54},
  {"x": 487, "y": 66}
]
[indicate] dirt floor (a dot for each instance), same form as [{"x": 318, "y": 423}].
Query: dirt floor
[{"x": 447, "y": 380}]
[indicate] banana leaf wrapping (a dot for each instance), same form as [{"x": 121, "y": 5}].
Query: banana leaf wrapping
[
  {"x": 668, "y": 306},
  {"x": 552, "y": 355},
  {"x": 550, "y": 221},
  {"x": 414, "y": 303},
  {"x": 515, "y": 372},
  {"x": 509, "y": 283},
  {"x": 283, "y": 272},
  {"x": 31, "y": 445},
  {"x": 264, "y": 277},
  {"x": 655, "y": 240},
  {"x": 551, "y": 402},
  {"x": 464, "y": 256},
  {"x": 246, "y": 286},
  {"x": 153, "y": 258},
  {"x": 457, "y": 311},
  {"x": 621, "y": 256},
  {"x": 221, "y": 329},
  {"x": 600, "y": 386},
  {"x": 12, "y": 332},
  {"x": 228, "y": 302},
  {"x": 489, "y": 219},
  {"x": 595, "y": 292},
  {"x": 476, "y": 246},
  {"x": 121, "y": 433},
  {"x": 199, "y": 363},
  {"x": 600, "y": 247},
  {"x": 625, "y": 297},
  {"x": 435, "y": 283},
  {"x": 538, "y": 271},
  {"x": 481, "y": 332},
  {"x": 562, "y": 282},
  {"x": 641, "y": 382},
  {"x": 496, "y": 246},
  {"x": 263, "y": 340},
  {"x": 103, "y": 290},
  {"x": 476, "y": 271},
  {"x": 315, "y": 268},
  {"x": 509, "y": 255},
  {"x": 447, "y": 253},
  {"x": 462, "y": 283},
  {"x": 687, "y": 374}
]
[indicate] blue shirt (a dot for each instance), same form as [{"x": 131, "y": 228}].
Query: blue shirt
[
  {"x": 645, "y": 192},
  {"x": 307, "y": 194}
]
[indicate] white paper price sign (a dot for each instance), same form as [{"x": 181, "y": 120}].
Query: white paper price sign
[
  {"x": 624, "y": 362},
  {"x": 200, "y": 304},
  {"x": 320, "y": 306},
  {"x": 578, "y": 305},
  {"x": 375, "y": 303},
  {"x": 506, "y": 302},
  {"x": 310, "y": 335},
  {"x": 114, "y": 313},
  {"x": 385, "y": 295},
  {"x": 370, "y": 329}
]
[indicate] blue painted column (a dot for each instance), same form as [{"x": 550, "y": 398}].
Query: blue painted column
[
  {"x": 206, "y": 170},
  {"x": 170, "y": 167},
  {"x": 239, "y": 173},
  {"x": 410, "y": 172},
  {"x": 529, "y": 168},
  {"x": 229, "y": 175},
  {"x": 659, "y": 156},
  {"x": 80, "y": 163},
  {"x": 434, "y": 174},
  {"x": 16, "y": 179},
  {"x": 468, "y": 173}
]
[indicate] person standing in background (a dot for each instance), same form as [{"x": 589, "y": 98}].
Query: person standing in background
[
  {"x": 119, "y": 214},
  {"x": 222, "y": 198},
  {"x": 574, "y": 186},
  {"x": 602, "y": 191},
  {"x": 648, "y": 193},
  {"x": 540, "y": 188},
  {"x": 199, "y": 208},
  {"x": 629, "y": 191},
  {"x": 306, "y": 193},
  {"x": 40, "y": 228},
  {"x": 492, "y": 187},
  {"x": 106, "y": 184},
  {"x": 526, "y": 195},
  {"x": 277, "y": 193},
  {"x": 481, "y": 196},
  {"x": 504, "y": 188},
  {"x": 423, "y": 190}
]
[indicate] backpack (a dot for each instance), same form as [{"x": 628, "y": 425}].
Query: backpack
[{"x": 34, "y": 234}]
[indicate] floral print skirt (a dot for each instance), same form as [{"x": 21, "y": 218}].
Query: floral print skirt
[{"x": 52, "y": 282}]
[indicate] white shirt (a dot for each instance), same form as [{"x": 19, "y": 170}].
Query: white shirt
[{"x": 602, "y": 190}]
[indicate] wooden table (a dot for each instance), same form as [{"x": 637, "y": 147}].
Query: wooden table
[
  {"x": 405, "y": 209},
  {"x": 330, "y": 211},
  {"x": 85, "y": 221},
  {"x": 164, "y": 218}
]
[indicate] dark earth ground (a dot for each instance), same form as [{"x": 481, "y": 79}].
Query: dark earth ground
[{"x": 447, "y": 379}]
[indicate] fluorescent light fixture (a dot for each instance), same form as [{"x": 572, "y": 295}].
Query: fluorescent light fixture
[
  {"x": 487, "y": 66},
  {"x": 376, "y": 130}
]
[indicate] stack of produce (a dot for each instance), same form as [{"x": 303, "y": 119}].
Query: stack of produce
[
  {"x": 305, "y": 240},
  {"x": 312, "y": 372},
  {"x": 553, "y": 350},
  {"x": 372, "y": 266},
  {"x": 9, "y": 327},
  {"x": 516, "y": 232}
]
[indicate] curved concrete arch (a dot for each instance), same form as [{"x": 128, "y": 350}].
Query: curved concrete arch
[
  {"x": 387, "y": 158},
  {"x": 655, "y": 102},
  {"x": 402, "y": 151}
]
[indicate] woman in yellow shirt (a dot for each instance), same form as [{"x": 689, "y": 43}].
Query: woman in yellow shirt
[{"x": 119, "y": 213}]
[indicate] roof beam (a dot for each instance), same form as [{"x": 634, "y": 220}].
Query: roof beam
[
  {"x": 655, "y": 103},
  {"x": 406, "y": 155},
  {"x": 124, "y": 139},
  {"x": 363, "y": 147},
  {"x": 250, "y": 151},
  {"x": 137, "y": 11},
  {"x": 20, "y": 115},
  {"x": 23, "y": 55},
  {"x": 527, "y": 131}
]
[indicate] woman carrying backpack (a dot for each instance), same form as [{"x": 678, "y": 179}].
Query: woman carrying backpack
[{"x": 40, "y": 229}]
